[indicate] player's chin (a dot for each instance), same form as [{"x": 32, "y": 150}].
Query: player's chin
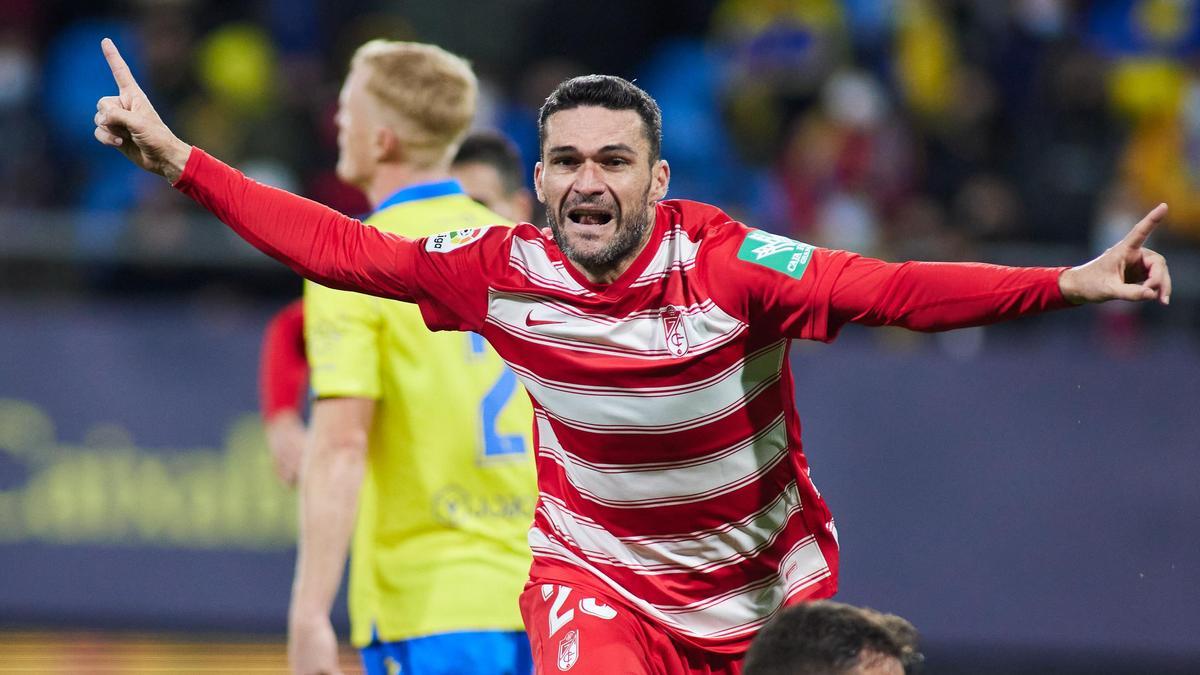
[
  {"x": 587, "y": 244},
  {"x": 595, "y": 255},
  {"x": 346, "y": 172}
]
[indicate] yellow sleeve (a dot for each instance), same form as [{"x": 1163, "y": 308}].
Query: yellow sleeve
[{"x": 342, "y": 337}]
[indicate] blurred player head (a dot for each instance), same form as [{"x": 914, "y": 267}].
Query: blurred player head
[
  {"x": 829, "y": 638},
  {"x": 600, "y": 172},
  {"x": 403, "y": 104},
  {"x": 489, "y": 168}
]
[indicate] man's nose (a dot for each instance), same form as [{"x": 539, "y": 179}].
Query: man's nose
[{"x": 589, "y": 179}]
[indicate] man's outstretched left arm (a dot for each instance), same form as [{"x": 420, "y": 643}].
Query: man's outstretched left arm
[
  {"x": 941, "y": 296},
  {"x": 810, "y": 293}
]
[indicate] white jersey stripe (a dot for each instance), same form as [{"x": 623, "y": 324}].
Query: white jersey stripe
[
  {"x": 676, "y": 252},
  {"x": 530, "y": 258},
  {"x": 662, "y": 484},
  {"x": 544, "y": 282},
  {"x": 665, "y": 390},
  {"x": 735, "y": 613},
  {"x": 703, "y": 551},
  {"x": 655, "y": 410},
  {"x": 563, "y": 313},
  {"x": 639, "y": 335}
]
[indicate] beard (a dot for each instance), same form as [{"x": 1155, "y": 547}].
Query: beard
[{"x": 629, "y": 231}]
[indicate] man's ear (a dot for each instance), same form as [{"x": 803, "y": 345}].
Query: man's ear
[
  {"x": 537, "y": 182},
  {"x": 386, "y": 146},
  {"x": 660, "y": 180}
]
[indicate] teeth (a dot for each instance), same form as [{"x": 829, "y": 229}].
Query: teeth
[{"x": 590, "y": 217}]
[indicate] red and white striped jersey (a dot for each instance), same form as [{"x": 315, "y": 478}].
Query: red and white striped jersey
[
  {"x": 669, "y": 458},
  {"x": 669, "y": 463}
]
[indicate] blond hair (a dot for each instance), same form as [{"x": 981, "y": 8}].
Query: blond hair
[{"x": 425, "y": 94}]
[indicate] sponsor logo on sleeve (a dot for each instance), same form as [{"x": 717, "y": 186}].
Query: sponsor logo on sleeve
[
  {"x": 779, "y": 253},
  {"x": 448, "y": 241}
]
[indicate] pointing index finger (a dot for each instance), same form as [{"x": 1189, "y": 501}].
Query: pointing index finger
[
  {"x": 120, "y": 70},
  {"x": 1145, "y": 227}
]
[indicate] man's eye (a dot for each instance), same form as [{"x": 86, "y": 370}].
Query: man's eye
[
  {"x": 616, "y": 161},
  {"x": 564, "y": 161}
]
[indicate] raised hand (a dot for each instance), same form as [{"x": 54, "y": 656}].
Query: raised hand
[
  {"x": 1126, "y": 271},
  {"x": 129, "y": 123}
]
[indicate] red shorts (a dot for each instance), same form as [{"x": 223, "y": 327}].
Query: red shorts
[{"x": 586, "y": 632}]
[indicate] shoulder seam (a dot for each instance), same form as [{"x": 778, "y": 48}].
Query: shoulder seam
[{"x": 701, "y": 253}]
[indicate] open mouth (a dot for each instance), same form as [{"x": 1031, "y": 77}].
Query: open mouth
[{"x": 590, "y": 216}]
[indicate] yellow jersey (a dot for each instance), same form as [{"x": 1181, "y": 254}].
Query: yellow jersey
[{"x": 440, "y": 541}]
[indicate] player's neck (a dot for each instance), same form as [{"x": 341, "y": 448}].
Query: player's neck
[{"x": 389, "y": 178}]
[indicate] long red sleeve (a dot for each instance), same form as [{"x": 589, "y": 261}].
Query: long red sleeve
[
  {"x": 940, "y": 296},
  {"x": 282, "y": 368},
  {"x": 809, "y": 293},
  {"x": 316, "y": 241}
]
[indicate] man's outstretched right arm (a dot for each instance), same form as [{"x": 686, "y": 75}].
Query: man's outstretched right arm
[
  {"x": 315, "y": 240},
  {"x": 318, "y": 242}
]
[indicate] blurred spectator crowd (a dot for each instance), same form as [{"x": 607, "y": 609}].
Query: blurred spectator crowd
[{"x": 909, "y": 129}]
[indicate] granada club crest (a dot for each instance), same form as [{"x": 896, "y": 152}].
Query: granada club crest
[
  {"x": 568, "y": 650},
  {"x": 677, "y": 342}
]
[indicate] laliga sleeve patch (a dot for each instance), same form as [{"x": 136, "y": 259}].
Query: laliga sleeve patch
[
  {"x": 448, "y": 241},
  {"x": 779, "y": 253}
]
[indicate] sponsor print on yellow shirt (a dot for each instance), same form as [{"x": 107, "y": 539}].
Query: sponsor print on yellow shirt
[{"x": 440, "y": 544}]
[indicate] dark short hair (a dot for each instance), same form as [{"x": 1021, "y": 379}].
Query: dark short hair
[
  {"x": 497, "y": 151},
  {"x": 605, "y": 91},
  {"x": 827, "y": 638}
]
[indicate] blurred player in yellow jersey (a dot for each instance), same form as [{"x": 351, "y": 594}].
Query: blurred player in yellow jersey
[
  {"x": 419, "y": 441},
  {"x": 488, "y": 167}
]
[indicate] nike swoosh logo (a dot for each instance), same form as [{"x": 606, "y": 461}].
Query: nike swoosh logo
[{"x": 530, "y": 321}]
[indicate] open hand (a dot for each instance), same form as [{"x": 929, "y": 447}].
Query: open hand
[
  {"x": 129, "y": 123},
  {"x": 1126, "y": 271}
]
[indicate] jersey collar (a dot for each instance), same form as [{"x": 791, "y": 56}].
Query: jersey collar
[
  {"x": 412, "y": 193},
  {"x": 662, "y": 222}
]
